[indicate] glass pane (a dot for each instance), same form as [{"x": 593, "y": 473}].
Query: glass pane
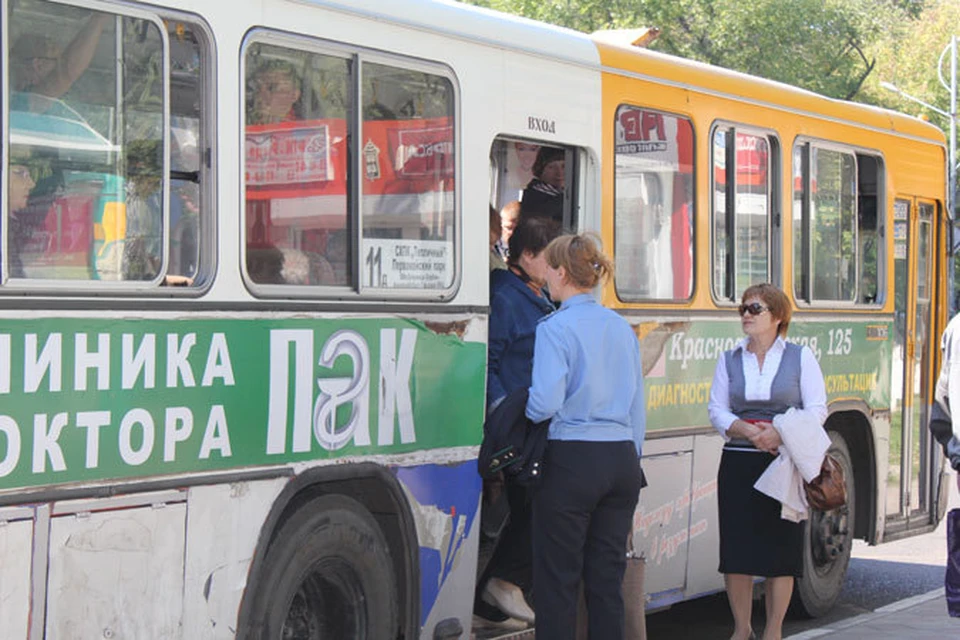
[
  {"x": 654, "y": 206},
  {"x": 722, "y": 251},
  {"x": 752, "y": 211},
  {"x": 901, "y": 213},
  {"x": 919, "y": 442},
  {"x": 408, "y": 157},
  {"x": 187, "y": 140},
  {"x": 833, "y": 217},
  {"x": 86, "y": 145},
  {"x": 870, "y": 245},
  {"x": 298, "y": 106},
  {"x": 800, "y": 275}
]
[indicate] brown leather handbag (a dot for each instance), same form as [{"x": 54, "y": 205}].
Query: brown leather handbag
[
  {"x": 634, "y": 599},
  {"x": 828, "y": 491}
]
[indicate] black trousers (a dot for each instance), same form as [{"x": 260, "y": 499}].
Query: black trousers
[
  {"x": 582, "y": 513},
  {"x": 511, "y": 560}
]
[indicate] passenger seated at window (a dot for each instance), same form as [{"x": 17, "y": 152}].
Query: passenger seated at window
[
  {"x": 142, "y": 241},
  {"x": 273, "y": 93},
  {"x": 265, "y": 264},
  {"x": 543, "y": 196},
  {"x": 18, "y": 193}
]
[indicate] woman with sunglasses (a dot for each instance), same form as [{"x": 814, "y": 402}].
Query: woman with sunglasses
[{"x": 761, "y": 377}]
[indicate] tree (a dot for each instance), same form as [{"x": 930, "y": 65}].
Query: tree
[
  {"x": 910, "y": 62},
  {"x": 827, "y": 46}
]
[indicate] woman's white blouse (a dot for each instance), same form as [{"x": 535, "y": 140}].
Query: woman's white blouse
[{"x": 757, "y": 383}]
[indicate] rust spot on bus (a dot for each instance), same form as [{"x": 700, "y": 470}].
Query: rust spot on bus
[{"x": 455, "y": 327}]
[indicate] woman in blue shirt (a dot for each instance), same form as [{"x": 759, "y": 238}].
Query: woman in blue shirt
[
  {"x": 517, "y": 303},
  {"x": 588, "y": 382}
]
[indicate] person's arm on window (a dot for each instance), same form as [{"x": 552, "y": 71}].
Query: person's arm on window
[{"x": 75, "y": 59}]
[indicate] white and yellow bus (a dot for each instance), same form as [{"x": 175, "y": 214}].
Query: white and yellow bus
[{"x": 244, "y": 299}]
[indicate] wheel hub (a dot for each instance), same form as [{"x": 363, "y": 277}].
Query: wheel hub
[
  {"x": 828, "y": 535},
  {"x": 328, "y": 605}
]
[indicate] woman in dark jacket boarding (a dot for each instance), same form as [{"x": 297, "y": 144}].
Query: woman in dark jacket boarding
[{"x": 587, "y": 381}]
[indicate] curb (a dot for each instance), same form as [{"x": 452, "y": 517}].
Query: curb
[{"x": 893, "y": 607}]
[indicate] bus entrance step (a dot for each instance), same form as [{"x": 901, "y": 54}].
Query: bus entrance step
[{"x": 480, "y": 633}]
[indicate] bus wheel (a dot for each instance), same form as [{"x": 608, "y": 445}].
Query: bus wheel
[
  {"x": 327, "y": 574},
  {"x": 827, "y": 542}
]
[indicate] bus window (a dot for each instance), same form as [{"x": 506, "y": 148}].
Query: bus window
[
  {"x": 742, "y": 210},
  {"x": 653, "y": 215},
  {"x": 540, "y": 178},
  {"x": 408, "y": 180},
  {"x": 836, "y": 225},
  {"x": 298, "y": 105},
  {"x": 90, "y": 133}
]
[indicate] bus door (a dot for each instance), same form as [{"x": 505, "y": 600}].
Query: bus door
[{"x": 909, "y": 495}]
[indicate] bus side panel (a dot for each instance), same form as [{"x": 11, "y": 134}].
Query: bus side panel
[
  {"x": 445, "y": 501},
  {"x": 16, "y": 553},
  {"x": 224, "y": 524},
  {"x": 704, "y": 532},
  {"x": 91, "y": 554},
  {"x": 662, "y": 519}
]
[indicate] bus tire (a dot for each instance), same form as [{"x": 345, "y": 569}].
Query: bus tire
[
  {"x": 827, "y": 542},
  {"x": 327, "y": 574}
]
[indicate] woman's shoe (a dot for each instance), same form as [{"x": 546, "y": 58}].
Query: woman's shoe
[
  {"x": 508, "y": 598},
  {"x": 507, "y": 624}
]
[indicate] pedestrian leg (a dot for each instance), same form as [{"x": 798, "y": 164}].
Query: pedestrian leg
[{"x": 561, "y": 511}]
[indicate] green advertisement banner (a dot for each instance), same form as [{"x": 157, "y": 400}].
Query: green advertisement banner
[
  {"x": 679, "y": 360},
  {"x": 95, "y": 399}
]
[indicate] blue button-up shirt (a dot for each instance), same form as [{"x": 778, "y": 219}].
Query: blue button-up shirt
[{"x": 587, "y": 377}]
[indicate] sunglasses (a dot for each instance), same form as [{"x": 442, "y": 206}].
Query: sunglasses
[{"x": 754, "y": 309}]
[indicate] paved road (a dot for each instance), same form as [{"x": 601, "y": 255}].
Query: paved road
[{"x": 877, "y": 576}]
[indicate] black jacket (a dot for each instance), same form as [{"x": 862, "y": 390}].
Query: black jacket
[{"x": 512, "y": 443}]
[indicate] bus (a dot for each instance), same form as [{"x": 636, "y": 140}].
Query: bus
[{"x": 244, "y": 302}]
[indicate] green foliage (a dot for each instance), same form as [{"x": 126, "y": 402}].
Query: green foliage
[
  {"x": 910, "y": 62},
  {"x": 827, "y": 46}
]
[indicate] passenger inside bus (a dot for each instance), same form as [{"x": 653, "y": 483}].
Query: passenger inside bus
[
  {"x": 496, "y": 259},
  {"x": 274, "y": 92},
  {"x": 21, "y": 184},
  {"x": 543, "y": 196},
  {"x": 41, "y": 69},
  {"x": 509, "y": 215}
]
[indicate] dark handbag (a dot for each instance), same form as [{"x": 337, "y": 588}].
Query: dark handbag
[
  {"x": 951, "y": 581},
  {"x": 828, "y": 491},
  {"x": 512, "y": 444}
]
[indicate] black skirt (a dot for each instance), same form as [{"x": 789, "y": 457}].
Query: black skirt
[{"x": 754, "y": 539}]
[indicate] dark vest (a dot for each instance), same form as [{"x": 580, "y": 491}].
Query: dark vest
[{"x": 784, "y": 391}]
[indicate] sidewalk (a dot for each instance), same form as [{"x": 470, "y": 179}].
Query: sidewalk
[{"x": 921, "y": 617}]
